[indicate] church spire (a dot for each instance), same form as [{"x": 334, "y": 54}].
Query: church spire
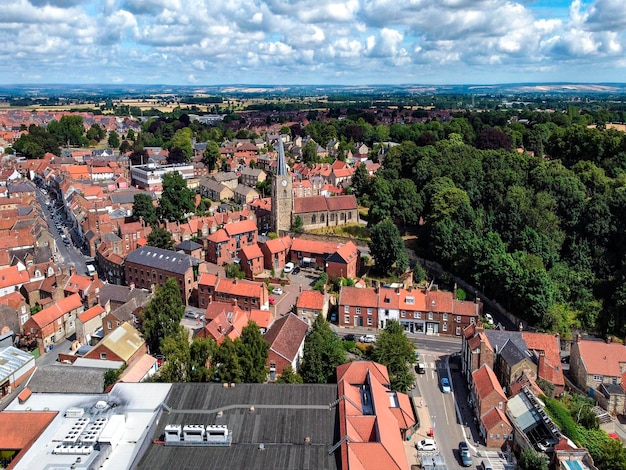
[{"x": 281, "y": 168}]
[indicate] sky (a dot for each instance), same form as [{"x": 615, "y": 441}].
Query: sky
[{"x": 312, "y": 42}]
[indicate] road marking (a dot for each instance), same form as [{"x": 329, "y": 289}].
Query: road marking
[{"x": 445, "y": 410}]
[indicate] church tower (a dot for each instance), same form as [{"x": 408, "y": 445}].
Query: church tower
[{"x": 282, "y": 194}]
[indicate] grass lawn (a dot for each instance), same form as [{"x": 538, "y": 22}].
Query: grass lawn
[{"x": 357, "y": 231}]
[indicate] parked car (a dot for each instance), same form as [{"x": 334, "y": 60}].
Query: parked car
[
  {"x": 489, "y": 318},
  {"x": 349, "y": 337},
  {"x": 192, "y": 315},
  {"x": 296, "y": 270},
  {"x": 289, "y": 267},
  {"x": 420, "y": 368},
  {"x": 486, "y": 465},
  {"x": 271, "y": 300},
  {"x": 466, "y": 456},
  {"x": 367, "y": 339},
  {"x": 277, "y": 291},
  {"x": 427, "y": 444},
  {"x": 445, "y": 385}
]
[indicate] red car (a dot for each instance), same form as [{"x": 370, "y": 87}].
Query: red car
[{"x": 271, "y": 300}]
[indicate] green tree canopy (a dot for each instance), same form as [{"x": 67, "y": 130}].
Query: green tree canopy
[
  {"x": 113, "y": 140},
  {"x": 160, "y": 238},
  {"x": 387, "y": 248},
  {"x": 252, "y": 350},
  {"x": 323, "y": 352},
  {"x": 289, "y": 376},
  {"x": 182, "y": 141},
  {"x": 211, "y": 155},
  {"x": 177, "y": 364},
  {"x": 394, "y": 350},
  {"x": 144, "y": 209},
  {"x": 162, "y": 315},
  {"x": 177, "y": 200}
]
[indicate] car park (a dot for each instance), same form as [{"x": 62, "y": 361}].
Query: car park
[
  {"x": 445, "y": 385},
  {"x": 367, "y": 339},
  {"x": 277, "y": 291},
  {"x": 464, "y": 453},
  {"x": 427, "y": 445},
  {"x": 289, "y": 267}
]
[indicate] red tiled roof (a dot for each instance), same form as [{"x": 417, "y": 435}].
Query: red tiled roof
[
  {"x": 252, "y": 251},
  {"x": 342, "y": 203},
  {"x": 219, "y": 236},
  {"x": 263, "y": 318},
  {"x": 348, "y": 251},
  {"x": 550, "y": 356},
  {"x": 57, "y": 310},
  {"x": 208, "y": 279},
  {"x": 243, "y": 226},
  {"x": 286, "y": 336},
  {"x": 602, "y": 358},
  {"x": 239, "y": 288},
  {"x": 486, "y": 382},
  {"x": 313, "y": 246},
  {"x": 19, "y": 429},
  {"x": 277, "y": 245},
  {"x": 494, "y": 417},
  {"x": 438, "y": 301},
  {"x": 93, "y": 312},
  {"x": 354, "y": 296},
  {"x": 12, "y": 276},
  {"x": 311, "y": 300},
  {"x": 302, "y": 205}
]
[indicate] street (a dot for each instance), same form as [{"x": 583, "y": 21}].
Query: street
[{"x": 66, "y": 254}]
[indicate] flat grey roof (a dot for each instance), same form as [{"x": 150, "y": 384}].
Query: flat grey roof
[{"x": 284, "y": 416}]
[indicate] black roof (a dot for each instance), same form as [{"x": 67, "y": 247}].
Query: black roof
[
  {"x": 165, "y": 260},
  {"x": 512, "y": 354},
  {"x": 284, "y": 416}
]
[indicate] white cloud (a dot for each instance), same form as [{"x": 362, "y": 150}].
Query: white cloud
[{"x": 308, "y": 40}]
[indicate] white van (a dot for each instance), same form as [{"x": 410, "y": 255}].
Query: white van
[{"x": 91, "y": 270}]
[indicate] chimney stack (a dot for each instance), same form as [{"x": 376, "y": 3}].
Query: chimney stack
[{"x": 132, "y": 286}]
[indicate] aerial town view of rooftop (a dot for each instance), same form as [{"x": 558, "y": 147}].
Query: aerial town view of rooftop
[{"x": 326, "y": 235}]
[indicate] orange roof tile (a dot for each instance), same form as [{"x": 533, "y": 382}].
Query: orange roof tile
[
  {"x": 358, "y": 297},
  {"x": 602, "y": 358},
  {"x": 311, "y": 300},
  {"x": 93, "y": 312},
  {"x": 19, "y": 429},
  {"x": 486, "y": 382},
  {"x": 57, "y": 310}
]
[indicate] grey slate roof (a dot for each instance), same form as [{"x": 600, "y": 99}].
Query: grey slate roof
[
  {"x": 252, "y": 171},
  {"x": 284, "y": 415},
  {"x": 212, "y": 185},
  {"x": 127, "y": 196},
  {"x": 188, "y": 245},
  {"x": 498, "y": 339},
  {"x": 224, "y": 176},
  {"x": 165, "y": 260},
  {"x": 58, "y": 378},
  {"x": 121, "y": 294},
  {"x": 512, "y": 354}
]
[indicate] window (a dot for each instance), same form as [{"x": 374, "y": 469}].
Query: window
[
  {"x": 358, "y": 310},
  {"x": 403, "y": 313},
  {"x": 346, "y": 309},
  {"x": 498, "y": 436},
  {"x": 410, "y": 300},
  {"x": 458, "y": 330},
  {"x": 369, "y": 310},
  {"x": 597, "y": 378},
  {"x": 332, "y": 217},
  {"x": 109, "y": 325},
  {"x": 472, "y": 320},
  {"x": 313, "y": 219},
  {"x": 505, "y": 436},
  {"x": 202, "y": 301},
  {"x": 445, "y": 317},
  {"x": 417, "y": 315},
  {"x": 103, "y": 356},
  {"x": 346, "y": 319},
  {"x": 458, "y": 318},
  {"x": 445, "y": 327},
  {"x": 369, "y": 322},
  {"x": 500, "y": 405},
  {"x": 117, "y": 323},
  {"x": 322, "y": 218},
  {"x": 349, "y": 215},
  {"x": 430, "y": 315}
]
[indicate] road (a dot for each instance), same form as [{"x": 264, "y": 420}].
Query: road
[
  {"x": 66, "y": 254},
  {"x": 442, "y": 409}
]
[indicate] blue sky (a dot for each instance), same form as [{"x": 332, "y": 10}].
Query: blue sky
[{"x": 349, "y": 42}]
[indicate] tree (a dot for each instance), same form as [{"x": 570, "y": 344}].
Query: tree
[
  {"x": 226, "y": 362},
  {"x": 387, "y": 248},
  {"x": 298, "y": 225},
  {"x": 144, "y": 209},
  {"x": 95, "y": 133},
  {"x": 493, "y": 139},
  {"x": 394, "y": 350},
  {"x": 323, "y": 352},
  {"x": 532, "y": 460},
  {"x": 163, "y": 314},
  {"x": 182, "y": 141},
  {"x": 252, "y": 350},
  {"x": 211, "y": 155},
  {"x": 309, "y": 153},
  {"x": 289, "y": 376},
  {"x": 114, "y": 140},
  {"x": 177, "y": 200},
  {"x": 233, "y": 271},
  {"x": 160, "y": 238},
  {"x": 68, "y": 130},
  {"x": 177, "y": 365},
  {"x": 360, "y": 180},
  {"x": 200, "y": 351}
]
